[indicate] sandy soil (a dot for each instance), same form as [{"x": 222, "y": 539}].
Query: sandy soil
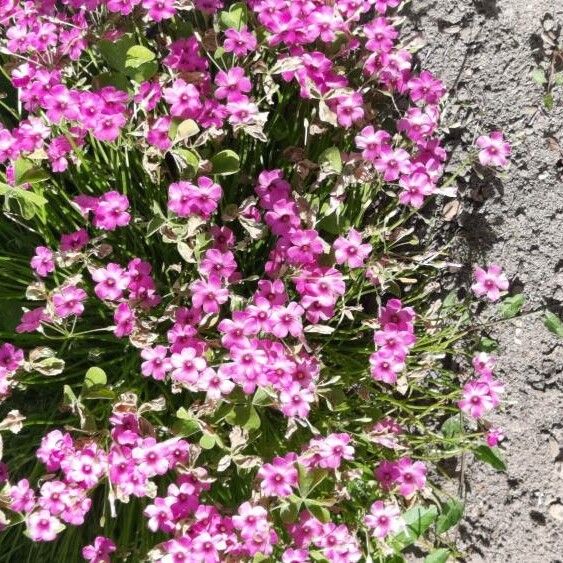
[{"x": 485, "y": 51}]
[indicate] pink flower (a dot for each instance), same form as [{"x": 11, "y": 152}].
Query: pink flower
[
  {"x": 384, "y": 519},
  {"x": 395, "y": 340},
  {"x": 159, "y": 134},
  {"x": 426, "y": 88},
  {"x": 296, "y": 400},
  {"x": 483, "y": 363},
  {"x": 111, "y": 211},
  {"x": 494, "y": 436},
  {"x": 74, "y": 242},
  {"x": 184, "y": 198},
  {"x": 416, "y": 187},
  {"x": 350, "y": 250},
  {"x": 476, "y": 399},
  {"x": 11, "y": 358},
  {"x": 490, "y": 282},
  {"x": 86, "y": 467},
  {"x": 495, "y": 151},
  {"x": 159, "y": 10},
  {"x": 31, "y": 320},
  {"x": 306, "y": 246},
  {"x": 55, "y": 446},
  {"x": 241, "y": 111},
  {"x": 184, "y": 99},
  {"x": 112, "y": 281},
  {"x": 371, "y": 142},
  {"x": 109, "y": 127},
  {"x": 206, "y": 547},
  {"x": 99, "y": 551},
  {"x": 391, "y": 163},
  {"x": 232, "y": 84},
  {"x": 385, "y": 366},
  {"x": 295, "y": 556},
  {"x": 409, "y": 475},
  {"x": 278, "y": 478},
  {"x": 43, "y": 526},
  {"x": 156, "y": 364},
  {"x": 53, "y": 497},
  {"x": 240, "y": 42},
  {"x": 208, "y": 295},
  {"x": 160, "y": 515},
  {"x": 124, "y": 318},
  {"x": 68, "y": 301},
  {"x": 151, "y": 458},
  {"x": 287, "y": 320},
  {"x": 215, "y": 384},
  {"x": 187, "y": 366},
  {"x": 22, "y": 497},
  {"x": 217, "y": 263},
  {"x": 349, "y": 109},
  {"x": 43, "y": 263},
  {"x": 333, "y": 449}
]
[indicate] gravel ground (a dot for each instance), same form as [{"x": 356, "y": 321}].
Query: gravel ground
[{"x": 485, "y": 51}]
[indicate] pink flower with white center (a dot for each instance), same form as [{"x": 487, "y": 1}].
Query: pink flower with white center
[
  {"x": 99, "y": 551},
  {"x": 295, "y": 556},
  {"x": 278, "y": 478},
  {"x": 74, "y": 242},
  {"x": 495, "y": 151},
  {"x": 242, "y": 111},
  {"x": 416, "y": 187},
  {"x": 395, "y": 340},
  {"x": 384, "y": 519},
  {"x": 69, "y": 301},
  {"x": 112, "y": 281},
  {"x": 287, "y": 320},
  {"x": 53, "y": 497},
  {"x": 391, "y": 163},
  {"x": 184, "y": 99},
  {"x": 159, "y": 10},
  {"x": 483, "y": 363},
  {"x": 160, "y": 515},
  {"x": 86, "y": 467},
  {"x": 123, "y": 7},
  {"x": 371, "y": 142},
  {"x": 333, "y": 449},
  {"x": 215, "y": 384},
  {"x": 296, "y": 400},
  {"x": 206, "y": 547},
  {"x": 350, "y": 250},
  {"x": 494, "y": 436},
  {"x": 208, "y": 295},
  {"x": 22, "y": 497},
  {"x": 43, "y": 263},
  {"x": 232, "y": 84},
  {"x": 43, "y": 526},
  {"x": 240, "y": 42},
  {"x": 187, "y": 366},
  {"x": 409, "y": 475},
  {"x": 185, "y": 499},
  {"x": 476, "y": 399},
  {"x": 349, "y": 109},
  {"x": 307, "y": 245},
  {"x": 31, "y": 320},
  {"x": 385, "y": 366},
  {"x": 157, "y": 363},
  {"x": 111, "y": 211},
  {"x": 490, "y": 283},
  {"x": 217, "y": 263},
  {"x": 151, "y": 458},
  {"x": 249, "y": 358}
]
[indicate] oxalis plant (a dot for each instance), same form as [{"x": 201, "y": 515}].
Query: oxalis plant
[{"x": 226, "y": 333}]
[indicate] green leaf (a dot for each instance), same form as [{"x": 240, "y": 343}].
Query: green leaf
[
  {"x": 331, "y": 161},
  {"x": 115, "y": 52},
  {"x": 558, "y": 78},
  {"x": 24, "y": 195},
  {"x": 487, "y": 344},
  {"x": 98, "y": 392},
  {"x": 289, "y": 512},
  {"x": 319, "y": 512},
  {"x": 438, "y": 556},
  {"x": 225, "y": 163},
  {"x": 548, "y": 102},
  {"x": 553, "y": 323},
  {"x": 69, "y": 398},
  {"x": 452, "y": 426},
  {"x": 186, "y": 425},
  {"x": 491, "y": 456},
  {"x": 309, "y": 479},
  {"x": 184, "y": 130},
  {"x": 245, "y": 416},
  {"x": 450, "y": 516},
  {"x": 115, "y": 79},
  {"x": 207, "y": 441},
  {"x": 190, "y": 159},
  {"x": 236, "y": 17},
  {"x": 261, "y": 398},
  {"x": 511, "y": 306},
  {"x": 95, "y": 376},
  {"x": 137, "y": 56},
  {"x": 418, "y": 519},
  {"x": 538, "y": 76},
  {"x": 26, "y": 172}
]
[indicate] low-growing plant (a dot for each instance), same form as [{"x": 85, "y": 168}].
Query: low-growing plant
[{"x": 238, "y": 342}]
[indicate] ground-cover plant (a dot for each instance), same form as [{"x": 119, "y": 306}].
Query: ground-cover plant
[{"x": 235, "y": 342}]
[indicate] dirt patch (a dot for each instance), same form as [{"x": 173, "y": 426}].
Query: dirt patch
[{"x": 485, "y": 51}]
